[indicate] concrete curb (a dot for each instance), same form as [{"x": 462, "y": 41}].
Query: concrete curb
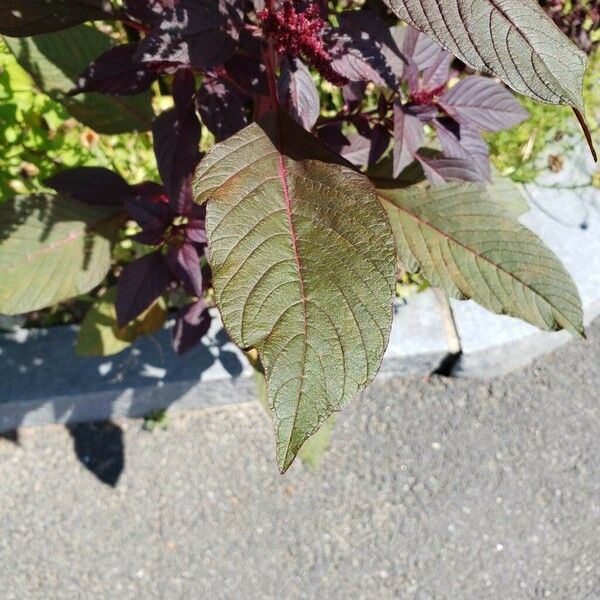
[{"x": 40, "y": 387}]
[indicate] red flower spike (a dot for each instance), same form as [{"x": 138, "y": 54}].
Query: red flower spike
[{"x": 297, "y": 33}]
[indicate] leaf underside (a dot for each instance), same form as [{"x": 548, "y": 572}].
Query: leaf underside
[
  {"x": 303, "y": 268},
  {"x": 512, "y": 39},
  {"x": 472, "y": 247},
  {"x": 52, "y": 249}
]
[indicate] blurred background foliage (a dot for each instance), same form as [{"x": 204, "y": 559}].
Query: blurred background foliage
[{"x": 38, "y": 137}]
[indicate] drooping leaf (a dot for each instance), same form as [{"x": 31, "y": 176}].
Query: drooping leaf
[
  {"x": 100, "y": 335},
  {"x": 116, "y": 74},
  {"x": 298, "y": 93},
  {"x": 483, "y": 103},
  {"x": 303, "y": 270},
  {"x": 52, "y": 248},
  {"x": 55, "y": 62},
  {"x": 191, "y": 325},
  {"x": 472, "y": 247},
  {"x": 19, "y": 18},
  {"x": 408, "y": 137},
  {"x": 92, "y": 185},
  {"x": 177, "y": 147},
  {"x": 140, "y": 284},
  {"x": 512, "y": 39}
]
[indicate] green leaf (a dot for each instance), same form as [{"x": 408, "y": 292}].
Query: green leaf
[
  {"x": 55, "y": 61},
  {"x": 513, "y": 39},
  {"x": 100, "y": 335},
  {"x": 505, "y": 191},
  {"x": 303, "y": 269},
  {"x": 52, "y": 249},
  {"x": 472, "y": 247},
  {"x": 19, "y": 18}
]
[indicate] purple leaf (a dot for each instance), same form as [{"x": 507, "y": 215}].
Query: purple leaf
[
  {"x": 92, "y": 185},
  {"x": 115, "y": 73},
  {"x": 483, "y": 103},
  {"x": 151, "y": 211},
  {"x": 354, "y": 93},
  {"x": 194, "y": 33},
  {"x": 298, "y": 94},
  {"x": 408, "y": 138},
  {"x": 177, "y": 147},
  {"x": 438, "y": 72},
  {"x": 441, "y": 170},
  {"x": 220, "y": 108},
  {"x": 140, "y": 284},
  {"x": 361, "y": 48},
  {"x": 416, "y": 46},
  {"x": 191, "y": 325},
  {"x": 147, "y": 11},
  {"x": 466, "y": 143},
  {"x": 249, "y": 73},
  {"x": 184, "y": 263}
]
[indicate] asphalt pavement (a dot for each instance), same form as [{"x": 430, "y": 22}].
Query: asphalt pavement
[{"x": 439, "y": 489}]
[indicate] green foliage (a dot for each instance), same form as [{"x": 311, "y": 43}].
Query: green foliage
[
  {"x": 52, "y": 248},
  {"x": 470, "y": 246},
  {"x": 156, "y": 420},
  {"x": 100, "y": 334},
  {"x": 38, "y": 137},
  {"x": 515, "y": 152}
]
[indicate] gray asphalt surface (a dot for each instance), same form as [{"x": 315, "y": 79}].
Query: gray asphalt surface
[{"x": 440, "y": 489}]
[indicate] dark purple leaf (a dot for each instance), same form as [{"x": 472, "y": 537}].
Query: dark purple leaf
[
  {"x": 191, "y": 325},
  {"x": 151, "y": 211},
  {"x": 249, "y": 73},
  {"x": 408, "y": 138},
  {"x": 92, "y": 185},
  {"x": 416, "y": 46},
  {"x": 361, "y": 47},
  {"x": 332, "y": 135},
  {"x": 115, "y": 73},
  {"x": 194, "y": 33},
  {"x": 465, "y": 143},
  {"x": 484, "y": 103},
  {"x": 220, "y": 108},
  {"x": 140, "y": 284},
  {"x": 184, "y": 263},
  {"x": 438, "y": 72},
  {"x": 380, "y": 140},
  {"x": 354, "y": 94},
  {"x": 298, "y": 93},
  {"x": 147, "y": 11},
  {"x": 441, "y": 170},
  {"x": 177, "y": 147}
]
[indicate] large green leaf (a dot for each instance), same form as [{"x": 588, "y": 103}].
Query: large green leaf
[
  {"x": 512, "y": 39},
  {"x": 52, "y": 249},
  {"x": 472, "y": 247},
  {"x": 303, "y": 269},
  {"x": 55, "y": 60},
  {"x": 30, "y": 17}
]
